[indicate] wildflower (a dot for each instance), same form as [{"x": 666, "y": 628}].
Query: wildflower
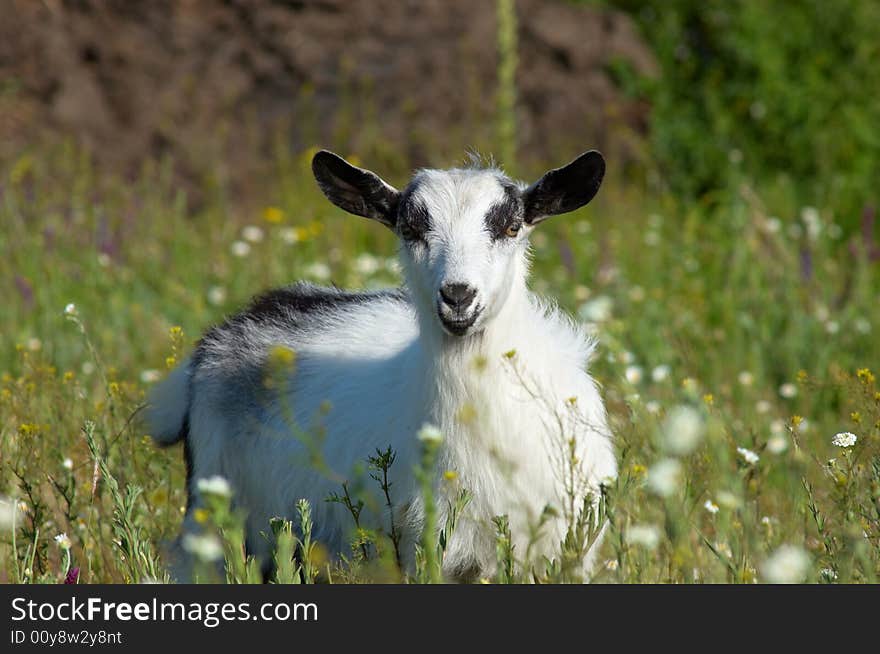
[
  {"x": 745, "y": 378},
  {"x": 34, "y": 344},
  {"x": 430, "y": 434},
  {"x": 252, "y": 233},
  {"x": 611, "y": 564},
  {"x": 788, "y": 391},
  {"x": 763, "y": 406},
  {"x": 633, "y": 374},
  {"x": 63, "y": 541},
  {"x": 772, "y": 225},
  {"x": 67, "y": 463},
  {"x": 664, "y": 477},
  {"x": 844, "y": 439},
  {"x": 240, "y": 249},
  {"x": 777, "y": 426},
  {"x": 273, "y": 215},
  {"x": 150, "y": 376},
  {"x": 652, "y": 407},
  {"x": 216, "y": 295},
  {"x": 72, "y": 576},
  {"x": 366, "y": 264},
  {"x": 596, "y": 310},
  {"x": 318, "y": 270},
  {"x": 289, "y": 235},
  {"x": 682, "y": 430},
  {"x": 450, "y": 475},
  {"x": 9, "y": 513},
  {"x": 813, "y": 221},
  {"x": 789, "y": 564},
  {"x": 865, "y": 376},
  {"x": 832, "y": 327},
  {"x": 748, "y": 456},
  {"x": 70, "y": 309},
  {"x": 660, "y": 373},
  {"x": 777, "y": 444},
  {"x": 207, "y": 548},
  {"x": 862, "y": 326},
  {"x": 828, "y": 574},
  {"x": 711, "y": 507},
  {"x": 215, "y": 485},
  {"x": 647, "y": 536}
]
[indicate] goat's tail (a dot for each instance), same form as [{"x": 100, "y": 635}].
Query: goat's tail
[{"x": 167, "y": 412}]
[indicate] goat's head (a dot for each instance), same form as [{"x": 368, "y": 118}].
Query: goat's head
[{"x": 464, "y": 231}]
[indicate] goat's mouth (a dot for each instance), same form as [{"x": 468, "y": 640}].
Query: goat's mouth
[{"x": 458, "y": 325}]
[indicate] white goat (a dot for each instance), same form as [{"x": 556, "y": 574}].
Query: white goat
[{"x": 463, "y": 345}]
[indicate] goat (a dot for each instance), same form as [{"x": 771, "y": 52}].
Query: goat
[{"x": 463, "y": 345}]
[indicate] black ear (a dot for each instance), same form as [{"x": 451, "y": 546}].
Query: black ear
[
  {"x": 564, "y": 189},
  {"x": 354, "y": 189}
]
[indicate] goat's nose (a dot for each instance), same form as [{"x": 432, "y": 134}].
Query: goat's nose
[{"x": 457, "y": 296}]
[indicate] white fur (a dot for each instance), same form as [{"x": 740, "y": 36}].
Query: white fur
[{"x": 387, "y": 367}]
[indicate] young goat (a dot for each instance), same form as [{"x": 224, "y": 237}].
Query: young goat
[{"x": 463, "y": 345}]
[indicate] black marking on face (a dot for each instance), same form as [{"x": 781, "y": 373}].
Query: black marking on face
[
  {"x": 413, "y": 219},
  {"x": 505, "y": 215}
]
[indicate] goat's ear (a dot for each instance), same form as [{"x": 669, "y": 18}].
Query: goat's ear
[
  {"x": 564, "y": 189},
  {"x": 354, "y": 189}
]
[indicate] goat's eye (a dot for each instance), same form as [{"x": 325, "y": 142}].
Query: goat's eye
[{"x": 512, "y": 230}]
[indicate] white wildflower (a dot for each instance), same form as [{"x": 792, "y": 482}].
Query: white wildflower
[
  {"x": 205, "y": 547},
  {"x": 844, "y": 439},
  {"x": 788, "y": 391},
  {"x": 813, "y": 221},
  {"x": 70, "y": 309},
  {"x": 711, "y": 507},
  {"x": 430, "y": 434},
  {"x": 660, "y": 373},
  {"x": 252, "y": 233},
  {"x": 745, "y": 378},
  {"x": 652, "y": 407},
  {"x": 150, "y": 376},
  {"x": 748, "y": 456},
  {"x": 862, "y": 326},
  {"x": 789, "y": 564},
  {"x": 664, "y": 477},
  {"x": 828, "y": 574},
  {"x": 832, "y": 327},
  {"x": 682, "y": 430},
  {"x": 366, "y": 264},
  {"x": 63, "y": 541},
  {"x": 240, "y": 248},
  {"x": 763, "y": 406},
  {"x": 318, "y": 270},
  {"x": 216, "y": 295},
  {"x": 633, "y": 374},
  {"x": 611, "y": 564},
  {"x": 289, "y": 235},
  {"x": 777, "y": 444},
  {"x": 596, "y": 310},
  {"x": 777, "y": 426},
  {"x": 67, "y": 463},
  {"x": 214, "y": 485},
  {"x": 647, "y": 536},
  {"x": 34, "y": 344}
]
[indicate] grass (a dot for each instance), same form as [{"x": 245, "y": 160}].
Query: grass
[{"x": 736, "y": 339}]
